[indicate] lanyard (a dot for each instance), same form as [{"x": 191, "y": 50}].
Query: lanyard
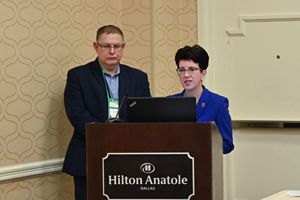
[{"x": 113, "y": 104}]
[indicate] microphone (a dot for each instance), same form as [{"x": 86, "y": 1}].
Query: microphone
[{"x": 116, "y": 119}]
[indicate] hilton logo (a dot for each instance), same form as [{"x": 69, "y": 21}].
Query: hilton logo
[
  {"x": 147, "y": 168},
  {"x": 148, "y": 176}
]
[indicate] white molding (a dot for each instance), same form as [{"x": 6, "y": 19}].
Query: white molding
[
  {"x": 241, "y": 31},
  {"x": 204, "y": 23},
  {"x": 31, "y": 169}
]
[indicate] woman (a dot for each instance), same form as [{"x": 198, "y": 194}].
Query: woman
[{"x": 192, "y": 63}]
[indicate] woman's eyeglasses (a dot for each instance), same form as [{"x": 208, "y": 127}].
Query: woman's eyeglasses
[{"x": 190, "y": 70}]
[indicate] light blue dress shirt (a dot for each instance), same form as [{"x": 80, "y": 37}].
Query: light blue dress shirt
[{"x": 113, "y": 83}]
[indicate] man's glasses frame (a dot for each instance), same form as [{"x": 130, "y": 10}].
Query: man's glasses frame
[{"x": 116, "y": 47}]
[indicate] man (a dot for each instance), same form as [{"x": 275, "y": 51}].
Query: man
[{"x": 93, "y": 93}]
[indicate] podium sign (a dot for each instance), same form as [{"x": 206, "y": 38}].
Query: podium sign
[
  {"x": 149, "y": 161},
  {"x": 148, "y": 175}
]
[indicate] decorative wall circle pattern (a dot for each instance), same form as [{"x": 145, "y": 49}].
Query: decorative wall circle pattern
[{"x": 40, "y": 40}]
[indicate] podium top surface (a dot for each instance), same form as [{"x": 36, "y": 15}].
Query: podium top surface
[{"x": 281, "y": 196}]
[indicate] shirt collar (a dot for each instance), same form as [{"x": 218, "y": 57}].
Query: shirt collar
[{"x": 117, "y": 72}]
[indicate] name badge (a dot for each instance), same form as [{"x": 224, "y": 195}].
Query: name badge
[{"x": 113, "y": 107}]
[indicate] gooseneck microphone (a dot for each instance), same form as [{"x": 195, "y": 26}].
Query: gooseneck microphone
[{"x": 116, "y": 119}]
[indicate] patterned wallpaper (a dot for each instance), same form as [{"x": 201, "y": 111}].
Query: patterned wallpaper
[
  {"x": 40, "y": 40},
  {"x": 174, "y": 26},
  {"x": 55, "y": 186}
]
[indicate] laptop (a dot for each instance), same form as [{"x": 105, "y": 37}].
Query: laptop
[{"x": 161, "y": 109}]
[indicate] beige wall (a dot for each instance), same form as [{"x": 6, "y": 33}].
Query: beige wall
[
  {"x": 246, "y": 37},
  {"x": 41, "y": 40},
  {"x": 55, "y": 186}
]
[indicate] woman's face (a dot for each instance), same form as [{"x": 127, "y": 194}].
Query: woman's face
[{"x": 191, "y": 81}]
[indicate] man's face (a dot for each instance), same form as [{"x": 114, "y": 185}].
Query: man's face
[{"x": 109, "y": 58}]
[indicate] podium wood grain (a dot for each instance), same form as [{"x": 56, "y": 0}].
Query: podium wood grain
[{"x": 201, "y": 140}]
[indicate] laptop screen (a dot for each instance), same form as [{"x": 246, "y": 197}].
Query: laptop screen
[{"x": 161, "y": 109}]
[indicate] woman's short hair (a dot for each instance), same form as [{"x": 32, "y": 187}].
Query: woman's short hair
[{"x": 195, "y": 53}]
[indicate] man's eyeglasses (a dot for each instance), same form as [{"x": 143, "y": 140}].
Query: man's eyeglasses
[
  {"x": 190, "y": 70},
  {"x": 106, "y": 47}
]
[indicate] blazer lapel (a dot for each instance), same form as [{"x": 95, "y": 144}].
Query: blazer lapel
[
  {"x": 96, "y": 70},
  {"x": 123, "y": 83},
  {"x": 203, "y": 102}
]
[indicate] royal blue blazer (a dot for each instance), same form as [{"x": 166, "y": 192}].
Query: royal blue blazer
[
  {"x": 85, "y": 101},
  {"x": 212, "y": 107}
]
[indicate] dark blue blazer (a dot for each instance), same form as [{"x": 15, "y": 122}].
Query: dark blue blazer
[
  {"x": 86, "y": 101},
  {"x": 212, "y": 107}
]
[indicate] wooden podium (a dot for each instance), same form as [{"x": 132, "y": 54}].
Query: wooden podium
[{"x": 201, "y": 141}]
